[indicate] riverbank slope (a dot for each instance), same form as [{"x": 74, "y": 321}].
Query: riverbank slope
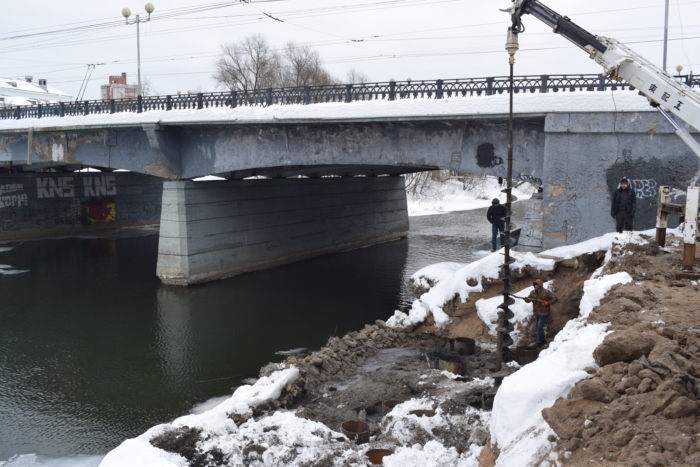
[{"x": 624, "y": 359}]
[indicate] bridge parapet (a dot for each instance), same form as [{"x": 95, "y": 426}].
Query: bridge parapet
[{"x": 392, "y": 90}]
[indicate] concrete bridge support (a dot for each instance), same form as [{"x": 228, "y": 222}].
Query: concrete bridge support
[{"x": 217, "y": 229}]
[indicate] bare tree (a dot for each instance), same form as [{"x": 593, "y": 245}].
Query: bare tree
[
  {"x": 417, "y": 183},
  {"x": 303, "y": 66},
  {"x": 356, "y": 77},
  {"x": 252, "y": 64},
  {"x": 248, "y": 65},
  {"x": 147, "y": 87}
]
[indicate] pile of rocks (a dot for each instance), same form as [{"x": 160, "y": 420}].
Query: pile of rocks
[{"x": 341, "y": 356}]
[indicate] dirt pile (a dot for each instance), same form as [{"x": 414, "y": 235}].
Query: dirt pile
[
  {"x": 640, "y": 408},
  {"x": 568, "y": 275}
]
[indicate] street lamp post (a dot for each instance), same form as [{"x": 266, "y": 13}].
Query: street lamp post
[
  {"x": 127, "y": 13},
  {"x": 665, "y": 35}
]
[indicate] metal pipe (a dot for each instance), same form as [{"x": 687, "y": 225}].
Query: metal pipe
[
  {"x": 666, "y": 35},
  {"x": 662, "y": 216},
  {"x": 692, "y": 203},
  {"x": 138, "y": 49}
]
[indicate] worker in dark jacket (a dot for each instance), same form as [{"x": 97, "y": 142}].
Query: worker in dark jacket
[
  {"x": 495, "y": 216},
  {"x": 541, "y": 299},
  {"x": 624, "y": 205}
]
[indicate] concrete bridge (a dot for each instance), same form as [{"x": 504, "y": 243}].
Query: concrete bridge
[{"x": 576, "y": 145}]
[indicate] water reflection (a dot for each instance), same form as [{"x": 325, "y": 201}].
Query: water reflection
[{"x": 93, "y": 349}]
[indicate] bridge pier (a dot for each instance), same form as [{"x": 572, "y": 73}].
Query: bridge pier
[{"x": 217, "y": 229}]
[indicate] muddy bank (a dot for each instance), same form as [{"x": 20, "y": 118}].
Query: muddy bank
[{"x": 639, "y": 408}]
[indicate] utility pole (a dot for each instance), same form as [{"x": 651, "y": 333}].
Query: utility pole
[
  {"x": 666, "y": 35},
  {"x": 126, "y": 13}
]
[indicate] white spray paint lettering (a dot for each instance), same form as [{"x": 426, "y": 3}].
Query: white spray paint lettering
[
  {"x": 13, "y": 200},
  {"x": 645, "y": 188},
  {"x": 105, "y": 185},
  {"x": 10, "y": 188},
  {"x": 61, "y": 187}
]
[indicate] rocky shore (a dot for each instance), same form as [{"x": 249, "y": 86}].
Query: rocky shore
[{"x": 618, "y": 384}]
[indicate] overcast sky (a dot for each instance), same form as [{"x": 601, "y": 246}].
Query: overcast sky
[{"x": 420, "y": 39}]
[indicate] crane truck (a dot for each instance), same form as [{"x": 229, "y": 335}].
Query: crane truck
[{"x": 669, "y": 96}]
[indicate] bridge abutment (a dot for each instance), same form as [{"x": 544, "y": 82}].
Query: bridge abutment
[
  {"x": 34, "y": 205},
  {"x": 217, "y": 229}
]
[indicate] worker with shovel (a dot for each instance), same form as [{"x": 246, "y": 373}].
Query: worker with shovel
[{"x": 541, "y": 299}]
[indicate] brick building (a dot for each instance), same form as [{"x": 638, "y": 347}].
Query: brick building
[{"x": 118, "y": 88}]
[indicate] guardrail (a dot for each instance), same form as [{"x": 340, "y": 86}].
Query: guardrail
[{"x": 393, "y": 90}]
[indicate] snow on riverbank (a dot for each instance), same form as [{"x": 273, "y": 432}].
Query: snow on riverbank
[
  {"x": 449, "y": 196},
  {"x": 517, "y": 427},
  {"x": 446, "y": 280}
]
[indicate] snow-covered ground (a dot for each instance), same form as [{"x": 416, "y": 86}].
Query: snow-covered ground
[
  {"x": 517, "y": 427},
  {"x": 449, "y": 196},
  {"x": 579, "y": 101}
]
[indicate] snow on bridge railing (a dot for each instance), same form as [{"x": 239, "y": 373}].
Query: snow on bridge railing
[{"x": 392, "y": 90}]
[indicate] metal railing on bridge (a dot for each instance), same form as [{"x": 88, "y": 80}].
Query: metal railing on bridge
[{"x": 393, "y": 90}]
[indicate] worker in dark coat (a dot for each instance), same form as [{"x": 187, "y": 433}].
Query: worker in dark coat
[
  {"x": 541, "y": 299},
  {"x": 624, "y": 205},
  {"x": 495, "y": 216}
]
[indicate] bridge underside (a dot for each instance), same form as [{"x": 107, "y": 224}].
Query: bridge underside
[{"x": 473, "y": 144}]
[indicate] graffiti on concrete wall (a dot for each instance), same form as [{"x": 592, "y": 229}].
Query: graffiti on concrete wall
[
  {"x": 100, "y": 186},
  {"x": 97, "y": 213},
  {"x": 644, "y": 188},
  {"x": 64, "y": 187},
  {"x": 646, "y": 175},
  {"x": 52, "y": 202},
  {"x": 9, "y": 196},
  {"x": 529, "y": 178}
]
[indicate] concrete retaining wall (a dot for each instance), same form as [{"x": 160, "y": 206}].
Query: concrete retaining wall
[
  {"x": 217, "y": 229},
  {"x": 46, "y": 204},
  {"x": 586, "y": 155}
]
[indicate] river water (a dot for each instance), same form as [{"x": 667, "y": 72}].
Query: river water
[{"x": 94, "y": 349}]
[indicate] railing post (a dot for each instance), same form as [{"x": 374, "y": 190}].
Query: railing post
[
  {"x": 40, "y": 111},
  {"x": 545, "y": 84},
  {"x": 392, "y": 90},
  {"x": 62, "y": 109},
  {"x": 489, "y": 86},
  {"x": 307, "y": 95},
  {"x": 348, "y": 93},
  {"x": 200, "y": 100},
  {"x": 268, "y": 97},
  {"x": 168, "y": 103},
  {"x": 601, "y": 83},
  {"x": 86, "y": 108},
  {"x": 139, "y": 104},
  {"x": 112, "y": 107},
  {"x": 438, "y": 93},
  {"x": 234, "y": 99},
  {"x": 17, "y": 110}
]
